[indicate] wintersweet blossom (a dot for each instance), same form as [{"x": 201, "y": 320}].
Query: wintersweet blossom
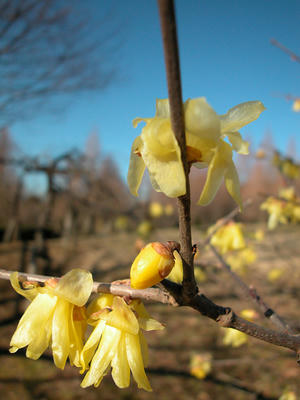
[
  {"x": 235, "y": 338},
  {"x": 55, "y": 316},
  {"x": 117, "y": 342},
  {"x": 228, "y": 237},
  {"x": 157, "y": 148}
]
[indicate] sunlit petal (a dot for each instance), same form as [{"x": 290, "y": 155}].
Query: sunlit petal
[
  {"x": 60, "y": 333},
  {"x": 91, "y": 345},
  {"x": 103, "y": 356},
  {"x": 29, "y": 294},
  {"x": 136, "y": 167},
  {"x": 232, "y": 183},
  {"x": 120, "y": 367},
  {"x": 35, "y": 317},
  {"x": 135, "y": 360},
  {"x": 75, "y": 286},
  {"x": 238, "y": 144},
  {"x": 201, "y": 119},
  {"x": 162, "y": 108},
  {"x": 240, "y": 115}
]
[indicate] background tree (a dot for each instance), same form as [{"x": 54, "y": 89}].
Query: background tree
[{"x": 49, "y": 49}]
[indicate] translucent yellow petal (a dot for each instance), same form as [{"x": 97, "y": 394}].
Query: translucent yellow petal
[
  {"x": 100, "y": 302},
  {"x": 150, "y": 324},
  {"x": 139, "y": 308},
  {"x": 215, "y": 174},
  {"x": 91, "y": 345},
  {"x": 162, "y": 108},
  {"x": 136, "y": 167},
  {"x": 176, "y": 274},
  {"x": 29, "y": 294},
  {"x": 60, "y": 332},
  {"x": 35, "y": 317},
  {"x": 37, "y": 347},
  {"x": 161, "y": 155},
  {"x": 201, "y": 119},
  {"x": 240, "y": 115},
  {"x": 135, "y": 360},
  {"x": 103, "y": 356},
  {"x": 120, "y": 367},
  {"x": 144, "y": 349},
  {"x": 76, "y": 332},
  {"x": 232, "y": 184},
  {"x": 238, "y": 144},
  {"x": 75, "y": 286},
  {"x": 121, "y": 317}
]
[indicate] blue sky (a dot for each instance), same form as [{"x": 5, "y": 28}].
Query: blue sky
[{"x": 225, "y": 54}]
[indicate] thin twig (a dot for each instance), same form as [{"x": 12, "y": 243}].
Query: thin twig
[
  {"x": 151, "y": 294},
  {"x": 223, "y": 221},
  {"x": 169, "y": 36},
  {"x": 251, "y": 293},
  {"x": 293, "y": 55}
]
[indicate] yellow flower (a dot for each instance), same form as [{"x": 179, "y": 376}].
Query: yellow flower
[
  {"x": 55, "y": 316},
  {"x": 288, "y": 395},
  {"x": 229, "y": 237},
  {"x": 156, "y": 209},
  {"x": 241, "y": 259},
  {"x": 117, "y": 342},
  {"x": 169, "y": 209},
  {"x": 157, "y": 148},
  {"x": 235, "y": 338},
  {"x": 200, "y": 365},
  {"x": 296, "y": 105},
  {"x": 276, "y": 210},
  {"x": 145, "y": 228},
  {"x": 154, "y": 263},
  {"x": 274, "y": 274}
]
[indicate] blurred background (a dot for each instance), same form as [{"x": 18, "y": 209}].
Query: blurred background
[{"x": 73, "y": 76}]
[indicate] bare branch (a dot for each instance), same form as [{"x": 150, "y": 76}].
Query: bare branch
[
  {"x": 169, "y": 36},
  {"x": 289, "y": 52},
  {"x": 251, "y": 293}
]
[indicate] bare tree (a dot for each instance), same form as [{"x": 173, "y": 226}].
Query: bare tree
[{"x": 50, "y": 48}]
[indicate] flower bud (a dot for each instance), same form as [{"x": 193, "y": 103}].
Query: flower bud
[{"x": 154, "y": 263}]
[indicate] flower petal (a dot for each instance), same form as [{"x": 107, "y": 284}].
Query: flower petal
[
  {"x": 35, "y": 317},
  {"x": 103, "y": 356},
  {"x": 91, "y": 345},
  {"x": 135, "y": 360},
  {"x": 120, "y": 367},
  {"x": 162, "y": 108},
  {"x": 121, "y": 317},
  {"x": 144, "y": 348},
  {"x": 37, "y": 347},
  {"x": 60, "y": 332},
  {"x": 240, "y": 115},
  {"x": 232, "y": 184},
  {"x": 201, "y": 119},
  {"x": 75, "y": 286},
  {"x": 150, "y": 324},
  {"x": 238, "y": 144},
  {"x": 29, "y": 294},
  {"x": 215, "y": 173},
  {"x": 136, "y": 167},
  {"x": 176, "y": 274}
]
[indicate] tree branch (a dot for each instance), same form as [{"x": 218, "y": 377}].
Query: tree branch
[
  {"x": 251, "y": 293},
  {"x": 169, "y": 36},
  {"x": 224, "y": 316}
]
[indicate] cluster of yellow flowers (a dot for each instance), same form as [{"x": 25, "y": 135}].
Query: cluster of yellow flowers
[
  {"x": 156, "y": 209},
  {"x": 157, "y": 148},
  {"x": 284, "y": 209},
  {"x": 57, "y": 317},
  {"x": 286, "y": 166},
  {"x": 230, "y": 239}
]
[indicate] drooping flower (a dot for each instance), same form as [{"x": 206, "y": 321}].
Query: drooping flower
[
  {"x": 157, "y": 148},
  {"x": 154, "y": 263},
  {"x": 229, "y": 237},
  {"x": 55, "y": 316},
  {"x": 241, "y": 259},
  {"x": 201, "y": 365},
  {"x": 276, "y": 210},
  {"x": 117, "y": 342}
]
